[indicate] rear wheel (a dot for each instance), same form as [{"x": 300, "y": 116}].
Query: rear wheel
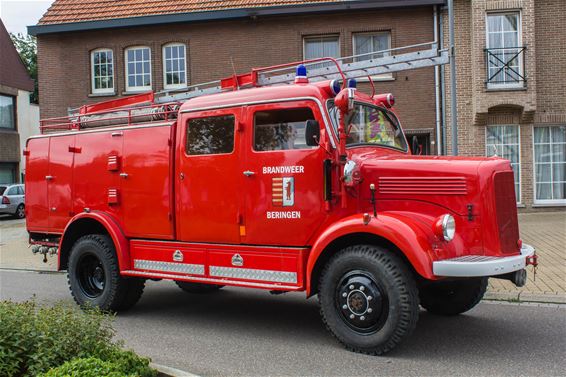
[
  {"x": 94, "y": 276},
  {"x": 452, "y": 297},
  {"x": 20, "y": 212},
  {"x": 368, "y": 299},
  {"x": 198, "y": 287}
]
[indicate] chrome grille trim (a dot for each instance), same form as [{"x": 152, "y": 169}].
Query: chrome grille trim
[
  {"x": 181, "y": 268},
  {"x": 254, "y": 274}
]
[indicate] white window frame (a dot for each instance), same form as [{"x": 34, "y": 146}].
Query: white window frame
[
  {"x": 519, "y": 42},
  {"x": 520, "y": 196},
  {"x": 543, "y": 202},
  {"x": 137, "y": 88},
  {"x": 173, "y": 86},
  {"x": 321, "y": 36},
  {"x": 384, "y": 76},
  {"x": 94, "y": 90}
]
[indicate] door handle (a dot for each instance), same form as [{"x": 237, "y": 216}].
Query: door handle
[
  {"x": 48, "y": 177},
  {"x": 124, "y": 175},
  {"x": 248, "y": 173}
]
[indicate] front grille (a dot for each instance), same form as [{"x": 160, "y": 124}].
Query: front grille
[{"x": 506, "y": 207}]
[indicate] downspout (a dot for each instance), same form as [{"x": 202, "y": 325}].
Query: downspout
[
  {"x": 442, "y": 84},
  {"x": 438, "y": 137}
]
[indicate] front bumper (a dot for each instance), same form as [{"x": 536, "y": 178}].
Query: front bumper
[{"x": 481, "y": 265}]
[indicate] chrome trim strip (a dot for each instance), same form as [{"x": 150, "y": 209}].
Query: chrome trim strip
[
  {"x": 181, "y": 268},
  {"x": 208, "y": 280},
  {"x": 101, "y": 129},
  {"x": 253, "y": 274},
  {"x": 236, "y": 247},
  {"x": 321, "y": 108},
  {"x": 480, "y": 265}
]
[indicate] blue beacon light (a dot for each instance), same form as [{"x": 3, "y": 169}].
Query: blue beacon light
[
  {"x": 352, "y": 83},
  {"x": 301, "y": 75}
]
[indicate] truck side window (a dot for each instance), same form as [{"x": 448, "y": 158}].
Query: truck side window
[
  {"x": 277, "y": 130},
  {"x": 212, "y": 135}
]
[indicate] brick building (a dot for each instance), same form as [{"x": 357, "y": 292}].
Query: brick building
[
  {"x": 511, "y": 97},
  {"x": 18, "y": 118},
  {"x": 510, "y": 91},
  {"x": 91, "y": 51}
]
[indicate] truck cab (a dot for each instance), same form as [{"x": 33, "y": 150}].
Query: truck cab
[{"x": 303, "y": 187}]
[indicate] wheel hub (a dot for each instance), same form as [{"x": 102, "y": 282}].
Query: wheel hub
[
  {"x": 361, "y": 302},
  {"x": 91, "y": 276}
]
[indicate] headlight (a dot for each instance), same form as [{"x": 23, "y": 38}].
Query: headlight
[{"x": 445, "y": 227}]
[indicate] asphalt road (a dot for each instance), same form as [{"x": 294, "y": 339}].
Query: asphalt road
[{"x": 246, "y": 332}]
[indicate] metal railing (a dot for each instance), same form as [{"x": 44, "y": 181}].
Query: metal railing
[{"x": 505, "y": 67}]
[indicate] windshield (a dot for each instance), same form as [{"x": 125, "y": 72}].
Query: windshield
[{"x": 370, "y": 125}]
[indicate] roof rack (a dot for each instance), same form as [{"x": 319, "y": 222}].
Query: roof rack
[{"x": 157, "y": 107}]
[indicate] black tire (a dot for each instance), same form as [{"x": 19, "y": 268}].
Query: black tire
[
  {"x": 388, "y": 301},
  {"x": 452, "y": 297},
  {"x": 94, "y": 276},
  {"x": 20, "y": 212},
  {"x": 198, "y": 287}
]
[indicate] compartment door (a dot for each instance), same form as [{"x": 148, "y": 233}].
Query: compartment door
[
  {"x": 208, "y": 177},
  {"x": 60, "y": 182}
]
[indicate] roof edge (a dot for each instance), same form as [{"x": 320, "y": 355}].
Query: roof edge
[{"x": 227, "y": 14}]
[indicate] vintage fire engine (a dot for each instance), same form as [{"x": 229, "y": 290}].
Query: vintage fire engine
[{"x": 277, "y": 181}]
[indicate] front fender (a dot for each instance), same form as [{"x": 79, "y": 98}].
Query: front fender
[
  {"x": 112, "y": 228},
  {"x": 404, "y": 232}
]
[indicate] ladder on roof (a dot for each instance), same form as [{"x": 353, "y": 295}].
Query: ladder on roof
[{"x": 351, "y": 67}]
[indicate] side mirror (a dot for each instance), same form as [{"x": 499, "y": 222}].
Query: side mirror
[{"x": 312, "y": 133}]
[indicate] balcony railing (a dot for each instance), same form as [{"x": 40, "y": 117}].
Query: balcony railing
[{"x": 505, "y": 67}]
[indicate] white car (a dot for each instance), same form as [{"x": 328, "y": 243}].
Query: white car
[{"x": 12, "y": 200}]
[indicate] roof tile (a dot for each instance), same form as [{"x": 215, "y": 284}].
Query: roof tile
[{"x": 69, "y": 11}]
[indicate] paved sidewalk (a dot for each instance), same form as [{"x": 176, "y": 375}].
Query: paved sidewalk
[{"x": 545, "y": 231}]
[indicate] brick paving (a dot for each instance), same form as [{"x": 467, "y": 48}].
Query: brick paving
[{"x": 545, "y": 231}]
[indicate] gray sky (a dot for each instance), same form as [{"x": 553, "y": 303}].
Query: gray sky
[{"x": 18, "y": 14}]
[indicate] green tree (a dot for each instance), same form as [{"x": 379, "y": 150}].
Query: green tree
[{"x": 27, "y": 48}]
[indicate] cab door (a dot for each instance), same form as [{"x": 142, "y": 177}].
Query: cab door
[
  {"x": 282, "y": 176},
  {"x": 208, "y": 177}
]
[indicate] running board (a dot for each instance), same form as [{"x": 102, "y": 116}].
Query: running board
[{"x": 195, "y": 279}]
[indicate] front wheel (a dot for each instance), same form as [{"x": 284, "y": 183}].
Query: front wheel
[
  {"x": 94, "y": 276},
  {"x": 20, "y": 212},
  {"x": 452, "y": 297},
  {"x": 368, "y": 299}
]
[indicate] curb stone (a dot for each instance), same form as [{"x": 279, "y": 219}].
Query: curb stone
[
  {"x": 166, "y": 371},
  {"x": 525, "y": 297}
]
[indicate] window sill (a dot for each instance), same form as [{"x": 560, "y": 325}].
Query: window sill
[
  {"x": 109, "y": 94},
  {"x": 8, "y": 130},
  {"x": 506, "y": 89},
  {"x": 542, "y": 205}
]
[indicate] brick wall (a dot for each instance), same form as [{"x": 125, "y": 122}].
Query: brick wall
[
  {"x": 64, "y": 59},
  {"x": 541, "y": 102}
]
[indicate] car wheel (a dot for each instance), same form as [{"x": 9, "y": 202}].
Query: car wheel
[
  {"x": 20, "y": 212},
  {"x": 94, "y": 276},
  {"x": 452, "y": 297},
  {"x": 368, "y": 299},
  {"x": 198, "y": 287}
]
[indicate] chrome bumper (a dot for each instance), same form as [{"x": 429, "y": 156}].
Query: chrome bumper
[{"x": 480, "y": 265}]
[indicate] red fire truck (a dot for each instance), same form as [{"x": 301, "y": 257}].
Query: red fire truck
[{"x": 308, "y": 186}]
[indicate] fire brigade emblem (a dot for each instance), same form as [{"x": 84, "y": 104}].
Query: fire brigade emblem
[
  {"x": 237, "y": 260},
  {"x": 283, "y": 191},
  {"x": 178, "y": 256}
]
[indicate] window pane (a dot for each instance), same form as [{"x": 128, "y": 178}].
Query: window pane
[
  {"x": 559, "y": 191},
  {"x": 510, "y": 22},
  {"x": 109, "y": 56},
  {"x": 559, "y": 172},
  {"x": 281, "y": 129},
  {"x": 559, "y": 152},
  {"x": 145, "y": 53},
  {"x": 543, "y": 172},
  {"x": 558, "y": 134},
  {"x": 130, "y": 55},
  {"x": 131, "y": 81},
  {"x": 212, "y": 135},
  {"x": 542, "y": 153},
  {"x": 542, "y": 134},
  {"x": 544, "y": 191}
]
